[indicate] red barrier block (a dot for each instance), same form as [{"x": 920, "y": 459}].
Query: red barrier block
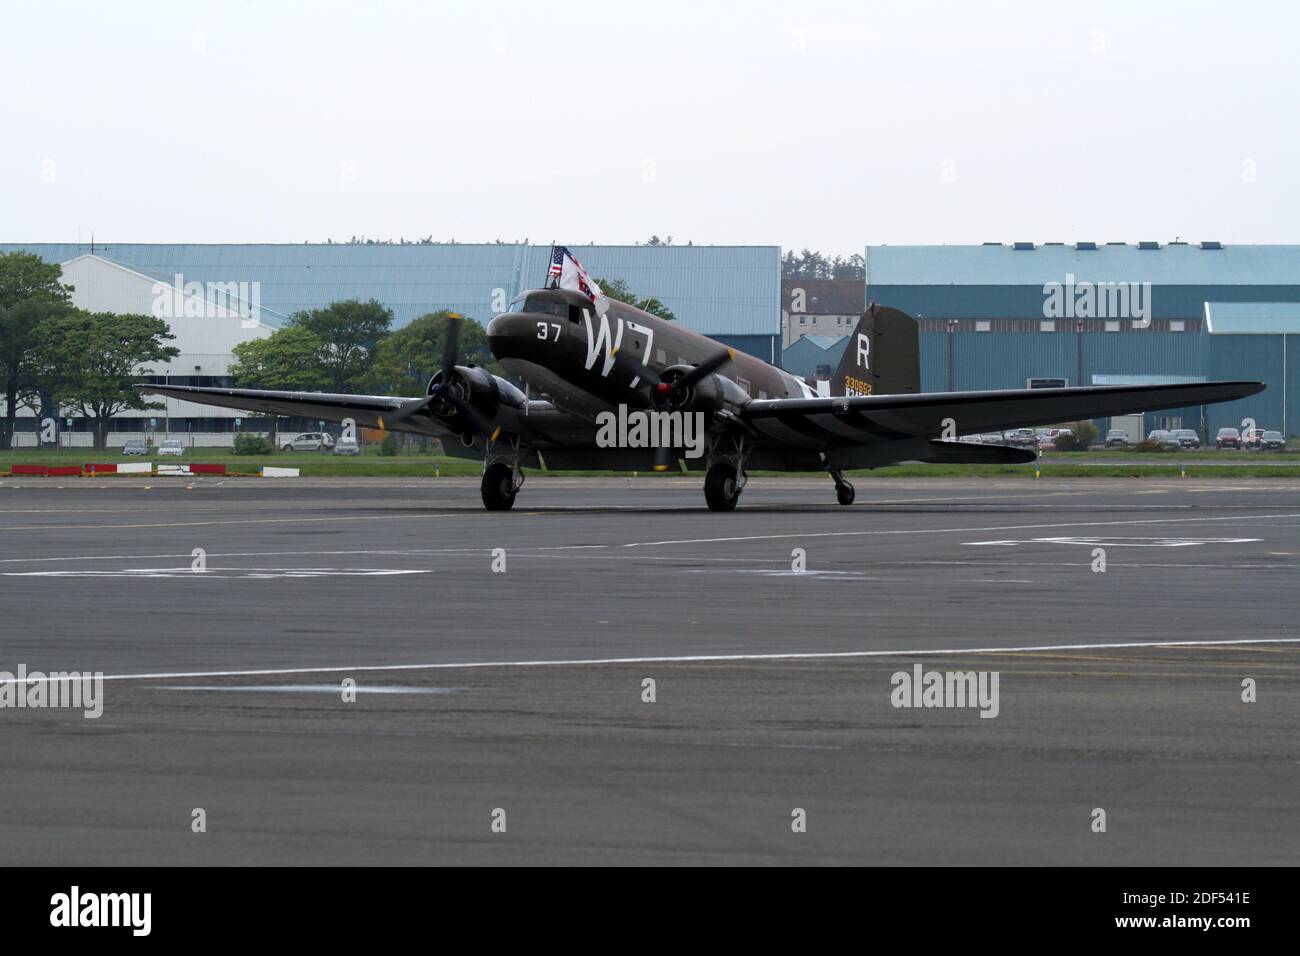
[
  {"x": 101, "y": 469},
  {"x": 41, "y": 470},
  {"x": 199, "y": 469},
  {"x": 62, "y": 471}
]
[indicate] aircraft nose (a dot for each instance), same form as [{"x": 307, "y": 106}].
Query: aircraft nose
[{"x": 506, "y": 332}]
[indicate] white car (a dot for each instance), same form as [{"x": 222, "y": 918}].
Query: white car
[
  {"x": 347, "y": 446},
  {"x": 307, "y": 441},
  {"x": 172, "y": 446}
]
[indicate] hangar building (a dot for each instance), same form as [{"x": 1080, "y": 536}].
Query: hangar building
[{"x": 1009, "y": 315}]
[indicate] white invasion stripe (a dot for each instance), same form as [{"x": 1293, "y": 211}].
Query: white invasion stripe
[{"x": 683, "y": 659}]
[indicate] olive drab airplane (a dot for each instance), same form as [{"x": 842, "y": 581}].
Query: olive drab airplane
[{"x": 588, "y": 355}]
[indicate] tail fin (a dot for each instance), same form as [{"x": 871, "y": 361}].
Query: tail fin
[{"x": 882, "y": 356}]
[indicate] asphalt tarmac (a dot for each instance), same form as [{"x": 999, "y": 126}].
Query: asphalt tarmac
[{"x": 519, "y": 697}]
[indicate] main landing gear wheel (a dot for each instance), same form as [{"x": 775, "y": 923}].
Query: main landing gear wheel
[
  {"x": 844, "y": 492},
  {"x": 721, "y": 489},
  {"x": 498, "y": 487}
]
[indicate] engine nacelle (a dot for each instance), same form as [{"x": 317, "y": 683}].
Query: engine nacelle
[
  {"x": 709, "y": 395},
  {"x": 470, "y": 385}
]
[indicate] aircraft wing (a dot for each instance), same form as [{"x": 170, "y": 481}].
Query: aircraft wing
[
  {"x": 836, "y": 422},
  {"x": 364, "y": 409}
]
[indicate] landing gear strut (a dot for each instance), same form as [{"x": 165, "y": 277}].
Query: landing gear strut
[
  {"x": 843, "y": 488},
  {"x": 502, "y": 476}
]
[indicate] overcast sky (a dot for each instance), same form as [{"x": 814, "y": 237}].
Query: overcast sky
[{"x": 800, "y": 124}]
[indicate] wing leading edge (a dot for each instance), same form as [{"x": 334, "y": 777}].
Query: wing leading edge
[
  {"x": 842, "y": 421},
  {"x": 366, "y": 410}
]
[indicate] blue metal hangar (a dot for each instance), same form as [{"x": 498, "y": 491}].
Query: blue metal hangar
[{"x": 1008, "y": 315}]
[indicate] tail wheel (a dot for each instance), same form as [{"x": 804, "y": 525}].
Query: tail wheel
[
  {"x": 721, "y": 490},
  {"x": 844, "y": 493},
  {"x": 498, "y": 487}
]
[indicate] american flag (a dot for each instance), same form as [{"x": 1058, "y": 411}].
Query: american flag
[
  {"x": 557, "y": 262},
  {"x": 569, "y": 274}
]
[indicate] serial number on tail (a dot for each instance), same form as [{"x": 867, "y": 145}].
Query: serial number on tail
[{"x": 855, "y": 386}]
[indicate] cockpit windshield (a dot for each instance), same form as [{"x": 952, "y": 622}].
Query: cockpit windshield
[{"x": 534, "y": 303}]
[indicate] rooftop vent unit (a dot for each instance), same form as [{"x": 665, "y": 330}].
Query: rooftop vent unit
[
  {"x": 992, "y": 243},
  {"x": 1211, "y": 245},
  {"x": 1023, "y": 245},
  {"x": 1148, "y": 245},
  {"x": 1086, "y": 246}
]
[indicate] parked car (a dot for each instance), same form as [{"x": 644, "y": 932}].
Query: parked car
[
  {"x": 1272, "y": 441},
  {"x": 1164, "y": 438},
  {"x": 1187, "y": 438},
  {"x": 1048, "y": 440},
  {"x": 1021, "y": 437},
  {"x": 1117, "y": 438},
  {"x": 1228, "y": 438},
  {"x": 135, "y": 446},
  {"x": 347, "y": 446},
  {"x": 1250, "y": 439},
  {"x": 992, "y": 438},
  {"x": 308, "y": 441},
  {"x": 172, "y": 446}
]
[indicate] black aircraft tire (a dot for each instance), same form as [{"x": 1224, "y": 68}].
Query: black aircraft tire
[
  {"x": 720, "y": 488},
  {"x": 844, "y": 492},
  {"x": 498, "y": 488}
]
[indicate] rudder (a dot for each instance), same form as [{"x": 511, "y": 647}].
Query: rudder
[{"x": 882, "y": 356}]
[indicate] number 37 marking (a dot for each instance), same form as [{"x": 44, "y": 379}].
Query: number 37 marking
[{"x": 544, "y": 334}]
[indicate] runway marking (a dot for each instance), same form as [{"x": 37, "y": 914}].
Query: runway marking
[
  {"x": 679, "y": 659},
  {"x": 332, "y": 689},
  {"x": 1011, "y": 527},
  {"x": 225, "y": 574},
  {"x": 1118, "y": 541}
]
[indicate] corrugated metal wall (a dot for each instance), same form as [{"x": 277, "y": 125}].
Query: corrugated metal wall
[{"x": 717, "y": 290}]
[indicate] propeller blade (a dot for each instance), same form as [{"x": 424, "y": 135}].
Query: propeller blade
[
  {"x": 405, "y": 411},
  {"x": 707, "y": 367},
  {"x": 665, "y": 458},
  {"x": 450, "y": 346}
]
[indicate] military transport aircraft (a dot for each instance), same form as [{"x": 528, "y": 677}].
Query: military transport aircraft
[{"x": 587, "y": 360}]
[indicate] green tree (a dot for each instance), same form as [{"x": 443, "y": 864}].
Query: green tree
[
  {"x": 618, "y": 289},
  {"x": 348, "y": 332},
  {"x": 289, "y": 360},
  {"x": 31, "y": 296},
  {"x": 101, "y": 356},
  {"x": 405, "y": 360}
]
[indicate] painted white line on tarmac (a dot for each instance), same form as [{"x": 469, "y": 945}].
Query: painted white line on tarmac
[{"x": 677, "y": 659}]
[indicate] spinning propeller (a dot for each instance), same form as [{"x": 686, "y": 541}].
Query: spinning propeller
[
  {"x": 443, "y": 390},
  {"x": 665, "y": 391}
]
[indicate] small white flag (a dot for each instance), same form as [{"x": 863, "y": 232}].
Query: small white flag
[{"x": 574, "y": 277}]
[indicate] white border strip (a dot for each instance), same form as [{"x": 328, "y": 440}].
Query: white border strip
[{"x": 684, "y": 659}]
